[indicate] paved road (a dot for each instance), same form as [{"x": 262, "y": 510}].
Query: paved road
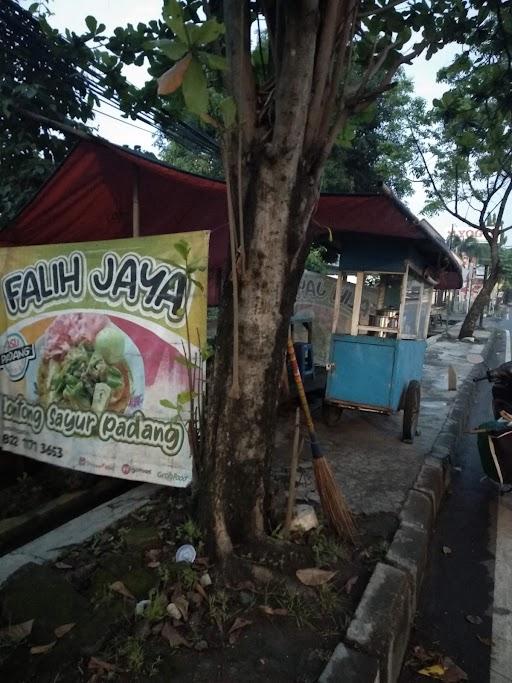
[{"x": 475, "y": 578}]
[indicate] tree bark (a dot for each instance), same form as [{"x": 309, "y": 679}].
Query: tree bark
[
  {"x": 284, "y": 136},
  {"x": 241, "y": 431},
  {"x": 482, "y": 299}
]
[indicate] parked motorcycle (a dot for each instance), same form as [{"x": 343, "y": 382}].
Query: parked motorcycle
[
  {"x": 501, "y": 380},
  {"x": 494, "y": 438}
]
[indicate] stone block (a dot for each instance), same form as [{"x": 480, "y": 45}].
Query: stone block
[
  {"x": 409, "y": 551},
  {"x": 431, "y": 482},
  {"x": 383, "y": 620},
  {"x": 418, "y": 511},
  {"x": 349, "y": 666}
]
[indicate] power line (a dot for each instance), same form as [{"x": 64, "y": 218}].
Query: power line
[
  {"x": 23, "y": 35},
  {"x": 126, "y": 123}
]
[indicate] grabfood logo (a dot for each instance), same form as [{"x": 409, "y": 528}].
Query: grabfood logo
[{"x": 15, "y": 355}]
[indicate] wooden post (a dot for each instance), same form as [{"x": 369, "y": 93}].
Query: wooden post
[
  {"x": 403, "y": 295},
  {"x": 418, "y": 312},
  {"x": 427, "y": 315},
  {"x": 337, "y": 301},
  {"x": 293, "y": 474},
  {"x": 135, "y": 205},
  {"x": 356, "y": 310}
]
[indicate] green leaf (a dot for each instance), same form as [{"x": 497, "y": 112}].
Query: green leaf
[
  {"x": 174, "y": 49},
  {"x": 173, "y": 17},
  {"x": 168, "y": 404},
  {"x": 198, "y": 284},
  {"x": 33, "y": 7},
  {"x": 183, "y": 249},
  {"x": 207, "y": 32},
  {"x": 185, "y": 396},
  {"x": 173, "y": 8},
  {"x": 195, "y": 90},
  {"x": 91, "y": 23},
  {"x": 182, "y": 360},
  {"x": 228, "y": 110},
  {"x": 178, "y": 28},
  {"x": 215, "y": 62},
  {"x": 207, "y": 352}
]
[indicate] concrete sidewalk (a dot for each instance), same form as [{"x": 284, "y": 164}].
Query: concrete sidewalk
[
  {"x": 379, "y": 474},
  {"x": 374, "y": 468}
]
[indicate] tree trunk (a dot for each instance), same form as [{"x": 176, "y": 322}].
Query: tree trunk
[
  {"x": 278, "y": 209},
  {"x": 482, "y": 299}
]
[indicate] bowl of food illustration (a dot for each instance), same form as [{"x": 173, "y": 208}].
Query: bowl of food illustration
[{"x": 85, "y": 362}]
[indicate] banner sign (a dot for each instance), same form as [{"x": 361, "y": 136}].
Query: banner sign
[
  {"x": 93, "y": 338},
  {"x": 315, "y": 298}
]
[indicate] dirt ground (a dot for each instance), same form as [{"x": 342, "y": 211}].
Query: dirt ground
[{"x": 83, "y": 618}]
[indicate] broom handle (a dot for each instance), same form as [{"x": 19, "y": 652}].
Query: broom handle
[{"x": 315, "y": 446}]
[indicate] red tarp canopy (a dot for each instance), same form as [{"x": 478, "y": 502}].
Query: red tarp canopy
[{"x": 90, "y": 197}]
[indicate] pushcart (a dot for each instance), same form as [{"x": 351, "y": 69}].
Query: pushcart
[{"x": 378, "y": 365}]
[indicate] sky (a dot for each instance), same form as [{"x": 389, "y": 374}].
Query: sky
[{"x": 71, "y": 14}]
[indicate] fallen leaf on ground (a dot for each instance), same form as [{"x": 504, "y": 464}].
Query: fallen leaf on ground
[
  {"x": 314, "y": 576},
  {"x": 485, "y": 641},
  {"x": 434, "y": 671},
  {"x": 182, "y": 605},
  {"x": 273, "y": 611},
  {"x": 41, "y": 649},
  {"x": 350, "y": 584},
  {"x": 473, "y": 620},
  {"x": 171, "y": 635},
  {"x": 96, "y": 664},
  {"x": 17, "y": 632},
  {"x": 119, "y": 587},
  {"x": 238, "y": 625},
  {"x": 61, "y": 631},
  {"x": 447, "y": 550},
  {"x": 62, "y": 565}
]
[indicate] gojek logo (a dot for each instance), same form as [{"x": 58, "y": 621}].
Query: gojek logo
[{"x": 15, "y": 355}]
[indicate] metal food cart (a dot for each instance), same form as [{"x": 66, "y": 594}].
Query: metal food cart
[{"x": 378, "y": 365}]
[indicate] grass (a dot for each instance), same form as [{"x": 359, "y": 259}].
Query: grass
[
  {"x": 189, "y": 531},
  {"x": 328, "y": 551},
  {"x": 218, "y": 608},
  {"x": 184, "y": 573},
  {"x": 299, "y": 606},
  {"x": 132, "y": 652},
  {"x": 157, "y": 608},
  {"x": 329, "y": 599}
]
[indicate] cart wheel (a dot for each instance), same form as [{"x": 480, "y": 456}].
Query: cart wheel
[
  {"x": 331, "y": 414},
  {"x": 411, "y": 411}
]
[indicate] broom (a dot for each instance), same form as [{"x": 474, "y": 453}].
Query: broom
[{"x": 333, "y": 504}]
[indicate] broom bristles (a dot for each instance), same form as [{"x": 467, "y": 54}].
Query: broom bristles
[{"x": 333, "y": 504}]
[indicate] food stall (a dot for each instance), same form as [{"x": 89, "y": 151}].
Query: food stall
[{"x": 378, "y": 365}]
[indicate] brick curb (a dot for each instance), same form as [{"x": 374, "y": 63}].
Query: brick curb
[{"x": 378, "y": 634}]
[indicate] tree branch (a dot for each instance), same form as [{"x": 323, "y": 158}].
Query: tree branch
[
  {"x": 437, "y": 192},
  {"x": 295, "y": 75},
  {"x": 240, "y": 77},
  {"x": 323, "y": 60}
]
